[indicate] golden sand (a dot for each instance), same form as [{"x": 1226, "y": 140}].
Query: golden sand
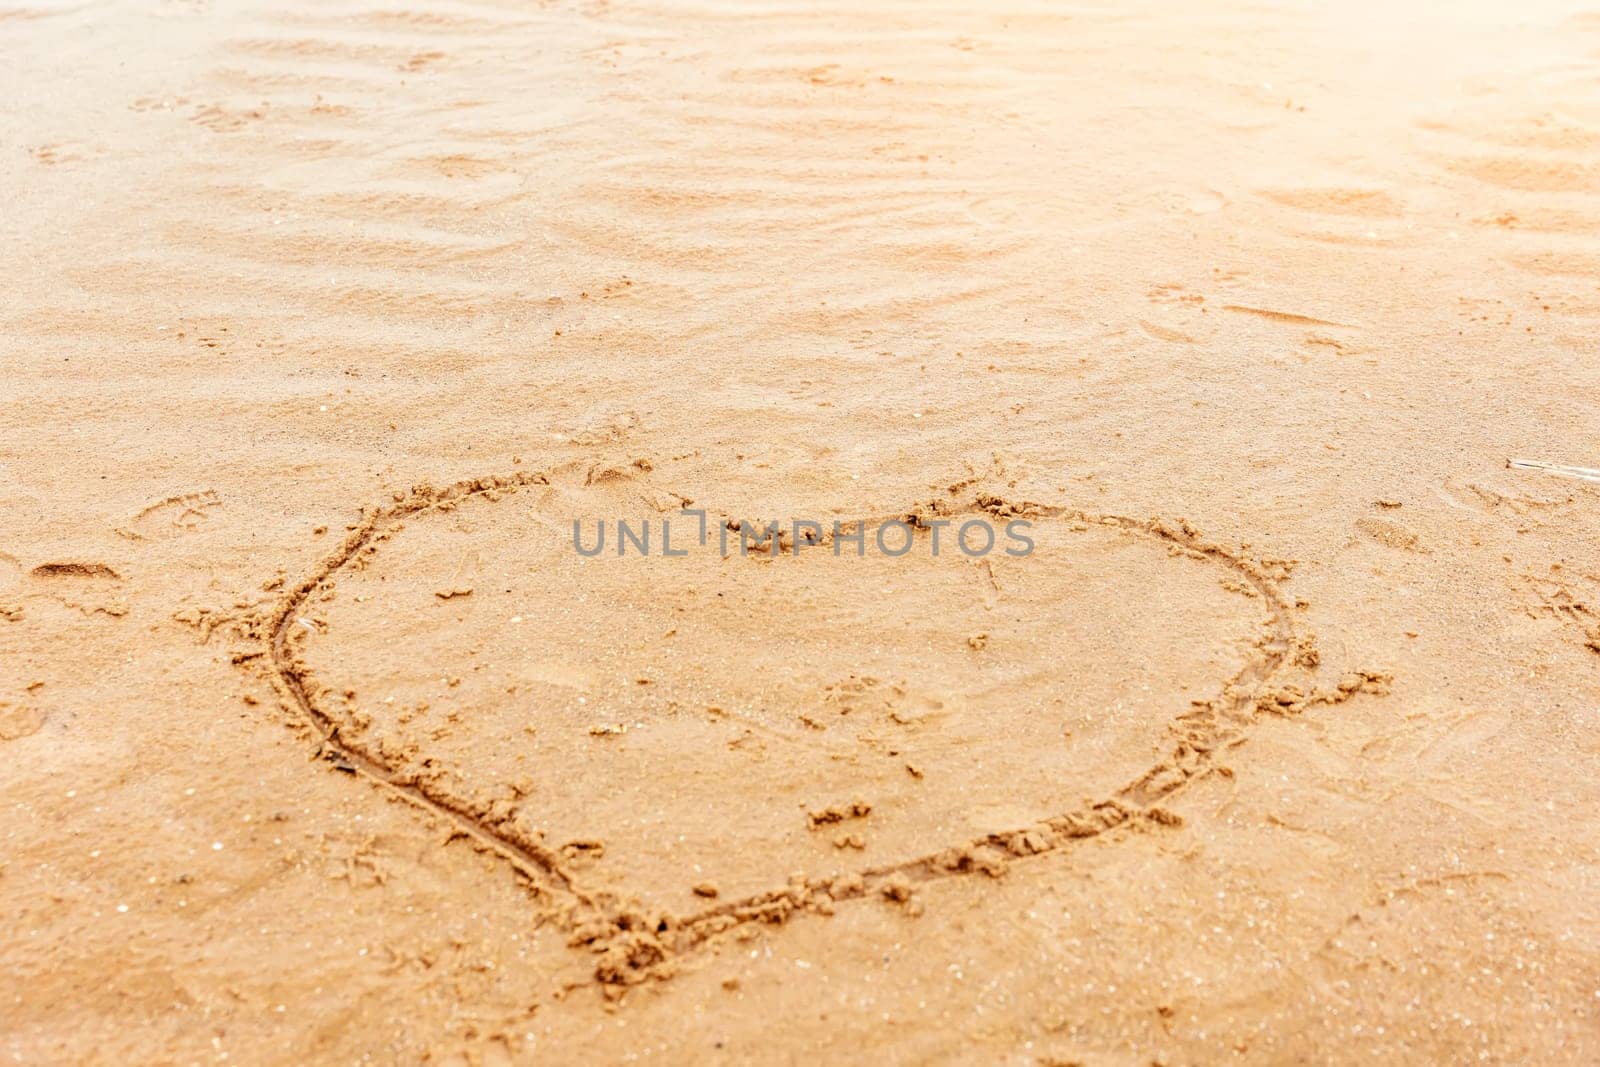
[{"x": 1276, "y": 325}]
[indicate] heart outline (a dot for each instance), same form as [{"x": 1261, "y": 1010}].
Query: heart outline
[{"x": 634, "y": 946}]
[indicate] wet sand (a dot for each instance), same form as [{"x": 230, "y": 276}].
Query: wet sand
[{"x": 325, "y": 322}]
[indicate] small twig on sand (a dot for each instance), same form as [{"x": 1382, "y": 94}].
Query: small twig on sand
[{"x": 1588, "y": 474}]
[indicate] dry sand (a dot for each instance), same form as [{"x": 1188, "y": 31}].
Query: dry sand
[{"x": 323, "y": 321}]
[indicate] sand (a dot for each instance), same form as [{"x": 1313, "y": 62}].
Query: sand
[{"x": 319, "y": 742}]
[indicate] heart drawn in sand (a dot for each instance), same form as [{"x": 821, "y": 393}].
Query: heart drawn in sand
[{"x": 656, "y": 744}]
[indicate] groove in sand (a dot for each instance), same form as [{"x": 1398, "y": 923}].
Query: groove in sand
[{"x": 634, "y": 946}]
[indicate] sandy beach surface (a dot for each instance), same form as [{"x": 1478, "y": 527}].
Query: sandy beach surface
[{"x": 323, "y": 323}]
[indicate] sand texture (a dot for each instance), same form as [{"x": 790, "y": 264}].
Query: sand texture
[{"x": 1276, "y": 325}]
